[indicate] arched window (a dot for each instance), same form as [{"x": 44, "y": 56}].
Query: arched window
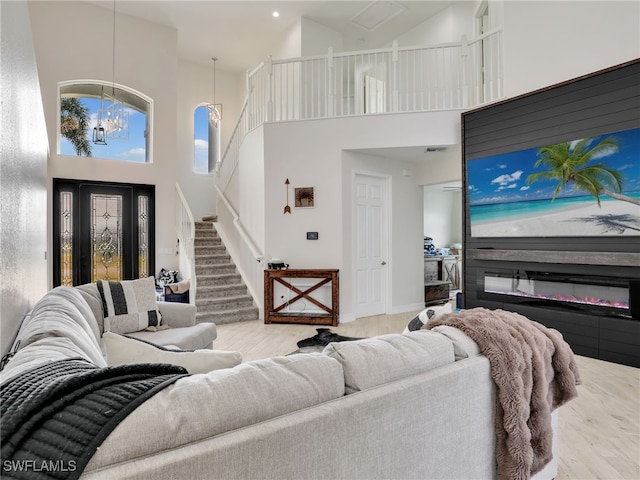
[
  {"x": 102, "y": 120},
  {"x": 206, "y": 134}
]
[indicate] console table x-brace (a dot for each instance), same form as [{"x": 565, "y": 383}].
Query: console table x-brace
[{"x": 283, "y": 277}]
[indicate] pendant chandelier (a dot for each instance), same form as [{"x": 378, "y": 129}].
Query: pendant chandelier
[
  {"x": 113, "y": 116},
  {"x": 215, "y": 116},
  {"x": 214, "y": 109}
]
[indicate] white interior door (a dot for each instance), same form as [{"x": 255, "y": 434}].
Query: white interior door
[{"x": 370, "y": 245}]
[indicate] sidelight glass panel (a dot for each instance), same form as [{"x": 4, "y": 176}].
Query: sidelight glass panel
[
  {"x": 143, "y": 236},
  {"x": 106, "y": 237},
  {"x": 66, "y": 238}
]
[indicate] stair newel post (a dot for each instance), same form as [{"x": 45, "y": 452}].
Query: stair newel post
[
  {"x": 394, "y": 77},
  {"x": 269, "y": 67},
  {"x": 464, "y": 63},
  {"x": 330, "y": 100}
]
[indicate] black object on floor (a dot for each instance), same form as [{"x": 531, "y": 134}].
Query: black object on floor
[{"x": 323, "y": 338}]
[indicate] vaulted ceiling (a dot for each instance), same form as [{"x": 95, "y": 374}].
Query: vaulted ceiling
[{"x": 241, "y": 34}]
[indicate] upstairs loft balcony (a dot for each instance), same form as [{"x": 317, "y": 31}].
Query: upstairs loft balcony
[{"x": 449, "y": 76}]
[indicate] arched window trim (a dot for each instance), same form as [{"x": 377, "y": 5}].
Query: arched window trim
[{"x": 129, "y": 96}]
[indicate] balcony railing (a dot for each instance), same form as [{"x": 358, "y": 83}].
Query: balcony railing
[{"x": 449, "y": 76}]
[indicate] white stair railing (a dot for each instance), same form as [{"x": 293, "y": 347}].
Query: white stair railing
[
  {"x": 186, "y": 228},
  {"x": 231, "y": 155},
  {"x": 450, "y": 76},
  {"x": 246, "y": 238}
]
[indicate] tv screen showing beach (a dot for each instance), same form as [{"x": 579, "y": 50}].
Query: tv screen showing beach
[{"x": 584, "y": 187}]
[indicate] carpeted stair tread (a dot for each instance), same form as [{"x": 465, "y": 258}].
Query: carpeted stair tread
[
  {"x": 212, "y": 280},
  {"x": 224, "y": 303},
  {"x": 217, "y": 291},
  {"x": 221, "y": 296},
  {"x": 204, "y": 226},
  {"x": 209, "y": 249},
  {"x": 229, "y": 316},
  {"x": 214, "y": 259}
]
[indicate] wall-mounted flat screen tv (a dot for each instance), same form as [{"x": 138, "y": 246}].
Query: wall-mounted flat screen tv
[{"x": 578, "y": 188}]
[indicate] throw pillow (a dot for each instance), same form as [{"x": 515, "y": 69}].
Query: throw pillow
[
  {"x": 129, "y": 305},
  {"x": 121, "y": 349},
  {"x": 430, "y": 313},
  {"x": 165, "y": 277}
]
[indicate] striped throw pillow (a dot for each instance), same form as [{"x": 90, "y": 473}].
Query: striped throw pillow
[{"x": 129, "y": 305}]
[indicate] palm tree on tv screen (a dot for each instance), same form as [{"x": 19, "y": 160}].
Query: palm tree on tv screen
[
  {"x": 571, "y": 163},
  {"x": 74, "y": 123}
]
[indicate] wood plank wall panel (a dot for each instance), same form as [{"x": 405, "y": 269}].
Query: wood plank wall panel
[{"x": 596, "y": 104}]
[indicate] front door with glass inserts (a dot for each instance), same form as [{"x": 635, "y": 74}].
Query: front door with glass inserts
[{"x": 102, "y": 231}]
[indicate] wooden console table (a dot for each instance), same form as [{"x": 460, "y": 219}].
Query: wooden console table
[{"x": 274, "y": 314}]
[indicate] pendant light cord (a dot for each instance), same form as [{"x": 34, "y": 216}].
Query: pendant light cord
[
  {"x": 215, "y": 59},
  {"x": 113, "y": 52}
]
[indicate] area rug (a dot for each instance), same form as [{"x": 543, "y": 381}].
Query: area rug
[{"x": 323, "y": 338}]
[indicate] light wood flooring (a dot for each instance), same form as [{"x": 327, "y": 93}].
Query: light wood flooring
[{"x": 599, "y": 431}]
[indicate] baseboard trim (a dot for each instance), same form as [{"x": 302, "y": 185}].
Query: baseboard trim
[
  {"x": 349, "y": 317},
  {"x": 407, "y": 308}
]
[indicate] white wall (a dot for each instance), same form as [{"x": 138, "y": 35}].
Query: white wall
[
  {"x": 321, "y": 154},
  {"x": 290, "y": 46},
  {"x": 441, "y": 167},
  {"x": 316, "y": 38},
  {"x": 442, "y": 216},
  {"x": 550, "y": 42},
  {"x": 446, "y": 26},
  {"x": 23, "y": 174},
  {"x": 195, "y": 87},
  {"x": 146, "y": 60}
]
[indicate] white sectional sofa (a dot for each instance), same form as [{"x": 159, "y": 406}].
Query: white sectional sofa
[
  {"x": 419, "y": 405},
  {"x": 181, "y": 317}
]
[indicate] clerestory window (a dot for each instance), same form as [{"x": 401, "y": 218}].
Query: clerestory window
[{"x": 99, "y": 119}]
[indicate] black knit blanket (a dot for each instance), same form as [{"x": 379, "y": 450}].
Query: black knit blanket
[{"x": 55, "y": 416}]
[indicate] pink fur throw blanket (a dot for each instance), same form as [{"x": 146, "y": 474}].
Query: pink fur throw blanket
[{"x": 534, "y": 371}]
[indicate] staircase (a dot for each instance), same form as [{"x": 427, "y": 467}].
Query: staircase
[{"x": 221, "y": 295}]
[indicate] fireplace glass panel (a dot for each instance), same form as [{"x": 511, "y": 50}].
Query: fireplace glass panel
[{"x": 560, "y": 289}]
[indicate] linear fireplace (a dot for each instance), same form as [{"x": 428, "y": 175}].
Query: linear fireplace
[
  {"x": 531, "y": 245},
  {"x": 590, "y": 293}
]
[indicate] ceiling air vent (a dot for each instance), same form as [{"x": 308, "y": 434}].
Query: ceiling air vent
[
  {"x": 376, "y": 14},
  {"x": 434, "y": 149}
]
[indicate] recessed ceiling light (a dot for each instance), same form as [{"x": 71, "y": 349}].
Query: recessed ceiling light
[{"x": 276, "y": 14}]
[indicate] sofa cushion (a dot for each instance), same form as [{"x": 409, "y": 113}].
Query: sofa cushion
[
  {"x": 202, "y": 406},
  {"x": 43, "y": 350},
  {"x": 463, "y": 345},
  {"x": 121, "y": 349},
  {"x": 129, "y": 305},
  {"x": 63, "y": 312},
  {"x": 374, "y": 361},
  {"x": 195, "y": 337}
]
